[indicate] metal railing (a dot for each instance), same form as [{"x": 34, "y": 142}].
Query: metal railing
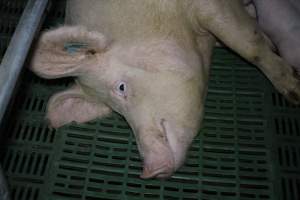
[{"x": 14, "y": 59}]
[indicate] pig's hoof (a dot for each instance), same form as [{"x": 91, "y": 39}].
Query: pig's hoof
[
  {"x": 289, "y": 86},
  {"x": 296, "y": 73},
  {"x": 293, "y": 95},
  {"x": 294, "y": 98}
]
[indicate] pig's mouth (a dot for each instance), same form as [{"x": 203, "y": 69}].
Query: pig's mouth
[
  {"x": 161, "y": 172},
  {"x": 161, "y": 162}
]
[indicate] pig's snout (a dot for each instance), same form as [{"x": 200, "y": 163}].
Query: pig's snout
[
  {"x": 157, "y": 154},
  {"x": 163, "y": 148},
  {"x": 160, "y": 167}
]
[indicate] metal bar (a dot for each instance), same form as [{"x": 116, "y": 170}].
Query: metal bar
[
  {"x": 14, "y": 59},
  {"x": 4, "y": 192},
  {"x": 18, "y": 49}
]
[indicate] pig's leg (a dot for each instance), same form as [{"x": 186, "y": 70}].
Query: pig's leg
[
  {"x": 229, "y": 21},
  {"x": 281, "y": 21},
  {"x": 252, "y": 11}
]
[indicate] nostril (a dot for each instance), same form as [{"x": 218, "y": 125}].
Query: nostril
[
  {"x": 163, "y": 175},
  {"x": 161, "y": 172},
  {"x": 161, "y": 135}
]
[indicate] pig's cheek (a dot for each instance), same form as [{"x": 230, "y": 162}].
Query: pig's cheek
[{"x": 118, "y": 103}]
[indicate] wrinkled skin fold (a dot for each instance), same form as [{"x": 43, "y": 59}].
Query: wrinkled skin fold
[{"x": 149, "y": 61}]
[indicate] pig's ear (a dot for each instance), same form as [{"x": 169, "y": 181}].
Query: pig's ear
[
  {"x": 73, "y": 105},
  {"x": 51, "y": 58}
]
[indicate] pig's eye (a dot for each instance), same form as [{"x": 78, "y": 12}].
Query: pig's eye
[{"x": 121, "y": 88}]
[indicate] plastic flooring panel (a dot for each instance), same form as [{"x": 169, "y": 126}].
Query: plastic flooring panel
[{"x": 247, "y": 149}]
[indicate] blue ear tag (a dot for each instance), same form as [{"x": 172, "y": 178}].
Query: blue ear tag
[{"x": 73, "y": 47}]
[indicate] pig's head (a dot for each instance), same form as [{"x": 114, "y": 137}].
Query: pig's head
[{"x": 150, "y": 83}]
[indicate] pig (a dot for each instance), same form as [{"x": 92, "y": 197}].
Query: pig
[
  {"x": 150, "y": 61},
  {"x": 280, "y": 20}
]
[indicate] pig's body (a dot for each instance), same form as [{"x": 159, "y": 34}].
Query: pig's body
[
  {"x": 148, "y": 19},
  {"x": 280, "y": 20},
  {"x": 149, "y": 60}
]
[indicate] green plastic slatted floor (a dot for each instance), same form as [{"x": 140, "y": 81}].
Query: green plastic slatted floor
[{"x": 249, "y": 147}]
